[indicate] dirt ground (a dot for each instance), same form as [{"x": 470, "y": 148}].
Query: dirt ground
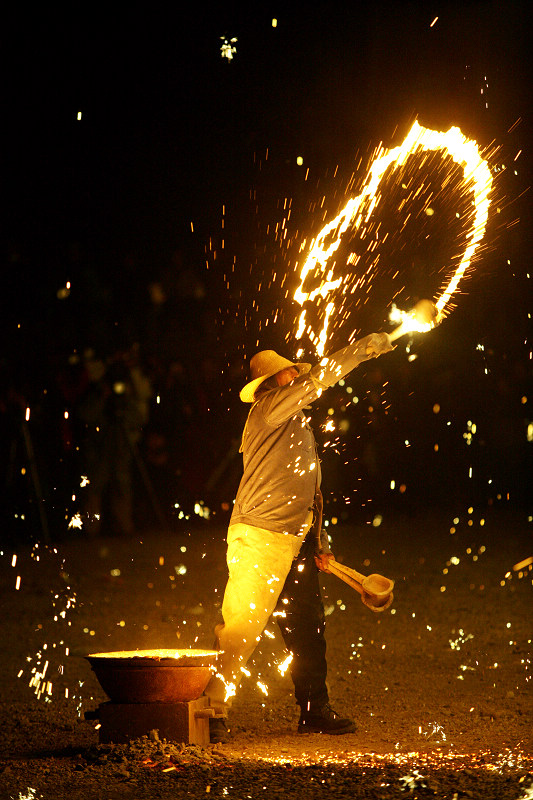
[{"x": 439, "y": 685}]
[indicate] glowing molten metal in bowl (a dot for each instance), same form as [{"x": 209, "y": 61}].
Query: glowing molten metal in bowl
[{"x": 153, "y": 676}]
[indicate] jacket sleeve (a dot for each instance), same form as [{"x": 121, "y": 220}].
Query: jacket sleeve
[
  {"x": 279, "y": 405},
  {"x": 334, "y": 367}
]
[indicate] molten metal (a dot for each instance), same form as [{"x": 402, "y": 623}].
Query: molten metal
[{"x": 357, "y": 212}]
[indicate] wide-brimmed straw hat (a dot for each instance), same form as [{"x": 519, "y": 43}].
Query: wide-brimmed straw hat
[{"x": 262, "y": 366}]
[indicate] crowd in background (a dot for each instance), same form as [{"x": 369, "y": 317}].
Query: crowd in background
[{"x": 113, "y": 411}]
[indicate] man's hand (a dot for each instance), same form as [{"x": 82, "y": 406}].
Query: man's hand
[
  {"x": 378, "y": 343},
  {"x": 322, "y": 561}
]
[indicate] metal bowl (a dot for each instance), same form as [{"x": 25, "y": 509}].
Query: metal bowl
[{"x": 153, "y": 676}]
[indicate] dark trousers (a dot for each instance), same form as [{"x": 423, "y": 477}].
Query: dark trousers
[{"x": 302, "y": 627}]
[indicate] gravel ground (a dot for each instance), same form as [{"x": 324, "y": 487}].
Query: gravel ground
[{"x": 440, "y": 686}]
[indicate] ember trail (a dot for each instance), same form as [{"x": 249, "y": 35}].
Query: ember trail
[{"x": 430, "y": 171}]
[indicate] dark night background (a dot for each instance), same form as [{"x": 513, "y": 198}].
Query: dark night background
[{"x": 127, "y": 204}]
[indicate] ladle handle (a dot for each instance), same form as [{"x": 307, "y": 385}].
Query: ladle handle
[
  {"x": 373, "y": 602},
  {"x": 352, "y": 573},
  {"x": 337, "y": 570}
]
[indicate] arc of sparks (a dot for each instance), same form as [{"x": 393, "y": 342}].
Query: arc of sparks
[{"x": 357, "y": 210}]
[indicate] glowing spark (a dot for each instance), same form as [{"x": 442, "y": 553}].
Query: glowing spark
[
  {"x": 202, "y": 510},
  {"x": 357, "y": 211},
  {"x": 413, "y": 781},
  {"x": 76, "y": 521},
  {"x": 231, "y": 690},
  {"x": 435, "y": 730},
  {"x": 455, "y": 644},
  {"x": 84, "y": 481},
  {"x": 263, "y": 688},
  {"x": 30, "y": 796},
  {"x": 228, "y": 48},
  {"x": 285, "y": 664}
]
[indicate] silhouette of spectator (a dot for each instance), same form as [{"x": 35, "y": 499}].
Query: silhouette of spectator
[{"x": 113, "y": 411}]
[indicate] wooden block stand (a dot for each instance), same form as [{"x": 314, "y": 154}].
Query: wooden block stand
[{"x": 178, "y": 722}]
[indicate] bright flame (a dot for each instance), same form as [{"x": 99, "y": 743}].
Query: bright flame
[
  {"x": 357, "y": 211},
  {"x": 408, "y": 322}
]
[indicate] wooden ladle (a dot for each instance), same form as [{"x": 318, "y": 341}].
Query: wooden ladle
[{"x": 375, "y": 590}]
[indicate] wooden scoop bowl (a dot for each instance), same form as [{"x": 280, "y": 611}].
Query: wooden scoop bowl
[{"x": 375, "y": 590}]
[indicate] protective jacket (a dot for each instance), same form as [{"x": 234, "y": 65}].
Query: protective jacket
[{"x": 281, "y": 465}]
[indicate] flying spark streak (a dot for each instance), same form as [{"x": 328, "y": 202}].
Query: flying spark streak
[
  {"x": 522, "y": 564},
  {"x": 356, "y": 214},
  {"x": 45, "y": 659},
  {"x": 285, "y": 664}
]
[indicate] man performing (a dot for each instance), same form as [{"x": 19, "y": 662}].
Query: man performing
[{"x": 275, "y": 542}]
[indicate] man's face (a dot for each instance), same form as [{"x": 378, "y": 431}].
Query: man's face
[{"x": 285, "y": 376}]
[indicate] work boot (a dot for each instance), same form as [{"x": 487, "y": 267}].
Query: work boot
[
  {"x": 324, "y": 720},
  {"x": 218, "y": 730}
]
